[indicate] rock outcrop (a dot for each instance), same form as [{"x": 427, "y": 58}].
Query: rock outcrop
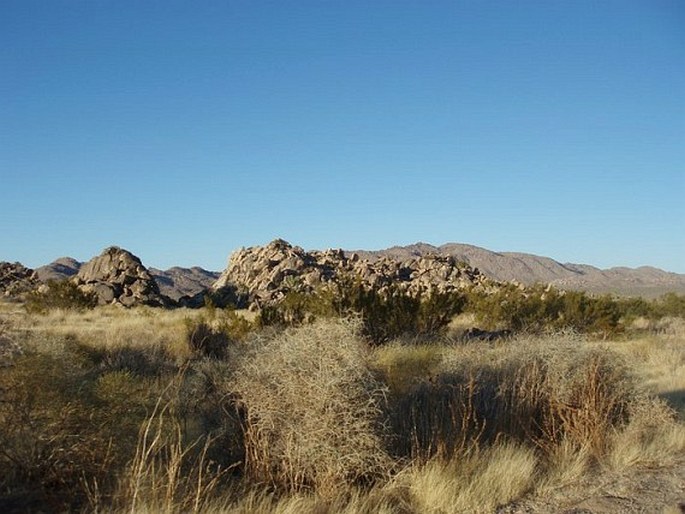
[
  {"x": 117, "y": 276},
  {"x": 16, "y": 279},
  {"x": 268, "y": 273}
]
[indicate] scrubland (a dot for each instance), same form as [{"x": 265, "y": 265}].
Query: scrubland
[{"x": 151, "y": 410}]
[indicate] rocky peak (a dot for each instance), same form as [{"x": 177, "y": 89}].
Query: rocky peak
[{"x": 118, "y": 276}]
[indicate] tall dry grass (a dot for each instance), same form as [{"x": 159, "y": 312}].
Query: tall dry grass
[{"x": 313, "y": 420}]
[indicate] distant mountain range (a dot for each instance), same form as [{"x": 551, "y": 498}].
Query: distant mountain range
[
  {"x": 529, "y": 269},
  {"x": 503, "y": 266}
]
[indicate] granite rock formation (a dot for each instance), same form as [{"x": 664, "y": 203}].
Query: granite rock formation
[
  {"x": 269, "y": 272},
  {"x": 117, "y": 276},
  {"x": 16, "y": 279}
]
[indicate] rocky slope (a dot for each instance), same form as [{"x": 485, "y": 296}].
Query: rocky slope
[
  {"x": 269, "y": 272},
  {"x": 117, "y": 276},
  {"x": 529, "y": 269}
]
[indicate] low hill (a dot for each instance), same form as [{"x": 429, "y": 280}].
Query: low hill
[
  {"x": 177, "y": 282},
  {"x": 60, "y": 269}
]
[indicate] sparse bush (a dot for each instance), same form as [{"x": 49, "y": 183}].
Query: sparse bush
[
  {"x": 60, "y": 295},
  {"x": 541, "y": 395},
  {"x": 149, "y": 361},
  {"x": 205, "y": 341},
  {"x": 311, "y": 410},
  {"x": 311, "y": 419},
  {"x": 49, "y": 437},
  {"x": 297, "y": 308},
  {"x": 213, "y": 334}
]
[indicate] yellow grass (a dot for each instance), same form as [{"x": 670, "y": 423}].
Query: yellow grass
[{"x": 313, "y": 413}]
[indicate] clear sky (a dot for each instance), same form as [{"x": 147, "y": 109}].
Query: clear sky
[{"x": 184, "y": 130}]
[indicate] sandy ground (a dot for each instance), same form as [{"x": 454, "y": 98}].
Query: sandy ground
[{"x": 648, "y": 491}]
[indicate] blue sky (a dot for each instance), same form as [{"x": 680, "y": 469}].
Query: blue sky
[{"x": 184, "y": 130}]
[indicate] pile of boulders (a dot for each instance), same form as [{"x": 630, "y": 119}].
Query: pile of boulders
[
  {"x": 270, "y": 272},
  {"x": 117, "y": 276},
  {"x": 16, "y": 279}
]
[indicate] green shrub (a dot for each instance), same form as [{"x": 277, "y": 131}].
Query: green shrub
[
  {"x": 60, "y": 295},
  {"x": 670, "y": 304},
  {"x": 386, "y": 313},
  {"x": 542, "y": 308}
]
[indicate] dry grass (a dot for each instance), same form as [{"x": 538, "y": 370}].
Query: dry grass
[
  {"x": 313, "y": 421},
  {"x": 475, "y": 482},
  {"x": 166, "y": 475}
]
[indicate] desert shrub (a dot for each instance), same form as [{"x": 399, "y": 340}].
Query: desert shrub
[
  {"x": 581, "y": 400},
  {"x": 670, "y": 304},
  {"x": 206, "y": 341},
  {"x": 403, "y": 365},
  {"x": 153, "y": 360},
  {"x": 236, "y": 327},
  {"x": 51, "y": 437},
  {"x": 386, "y": 313},
  {"x": 590, "y": 314},
  {"x": 207, "y": 402},
  {"x": 518, "y": 309},
  {"x": 652, "y": 437},
  {"x": 438, "y": 418},
  {"x": 541, "y": 394},
  {"x": 212, "y": 334},
  {"x": 297, "y": 308},
  {"x": 60, "y": 295},
  {"x": 391, "y": 312},
  {"x": 311, "y": 409},
  {"x": 540, "y": 308}
]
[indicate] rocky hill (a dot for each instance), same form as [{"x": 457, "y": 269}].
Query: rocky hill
[
  {"x": 117, "y": 276},
  {"x": 529, "y": 269},
  {"x": 16, "y": 279},
  {"x": 267, "y": 273}
]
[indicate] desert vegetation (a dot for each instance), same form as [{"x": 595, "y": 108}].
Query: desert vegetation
[{"x": 352, "y": 402}]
